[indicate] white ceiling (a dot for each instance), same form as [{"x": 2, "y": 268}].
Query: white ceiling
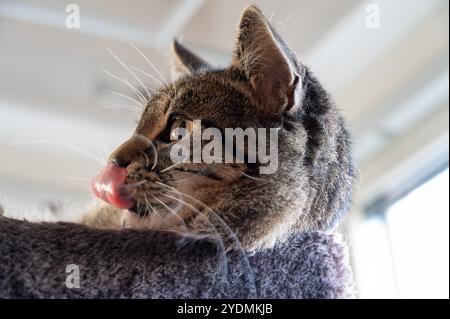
[{"x": 390, "y": 82}]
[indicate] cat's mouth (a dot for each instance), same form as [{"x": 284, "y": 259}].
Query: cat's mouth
[{"x": 109, "y": 185}]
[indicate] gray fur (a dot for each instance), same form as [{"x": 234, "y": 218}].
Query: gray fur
[{"x": 143, "y": 264}]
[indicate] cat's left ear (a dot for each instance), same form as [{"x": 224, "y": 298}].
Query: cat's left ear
[
  {"x": 185, "y": 62},
  {"x": 272, "y": 68}
]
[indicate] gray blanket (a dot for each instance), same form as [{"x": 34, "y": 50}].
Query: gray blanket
[{"x": 48, "y": 260}]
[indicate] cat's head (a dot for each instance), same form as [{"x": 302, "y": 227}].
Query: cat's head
[{"x": 265, "y": 87}]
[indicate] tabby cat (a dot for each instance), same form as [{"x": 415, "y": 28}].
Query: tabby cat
[{"x": 266, "y": 86}]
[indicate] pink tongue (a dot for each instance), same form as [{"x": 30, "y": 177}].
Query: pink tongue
[{"x": 108, "y": 185}]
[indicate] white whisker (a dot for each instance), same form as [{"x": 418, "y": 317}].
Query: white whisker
[
  {"x": 126, "y": 97},
  {"x": 250, "y": 176},
  {"x": 150, "y": 63},
  {"x": 155, "y": 151},
  {"x": 134, "y": 185},
  {"x": 148, "y": 204},
  {"x": 170, "y": 167},
  {"x": 125, "y": 81},
  {"x": 72, "y": 147},
  {"x": 171, "y": 211},
  {"x": 146, "y": 74},
  {"x": 129, "y": 70},
  {"x": 147, "y": 160}
]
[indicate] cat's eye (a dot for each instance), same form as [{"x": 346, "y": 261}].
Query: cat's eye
[{"x": 179, "y": 123}]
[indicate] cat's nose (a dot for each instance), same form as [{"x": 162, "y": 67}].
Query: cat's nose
[
  {"x": 109, "y": 185},
  {"x": 120, "y": 161},
  {"x": 129, "y": 151}
]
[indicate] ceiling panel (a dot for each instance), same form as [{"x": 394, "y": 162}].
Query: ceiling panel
[
  {"x": 146, "y": 14},
  {"x": 302, "y": 23}
]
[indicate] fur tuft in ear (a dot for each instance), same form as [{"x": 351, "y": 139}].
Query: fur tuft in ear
[
  {"x": 184, "y": 62},
  {"x": 272, "y": 68}
]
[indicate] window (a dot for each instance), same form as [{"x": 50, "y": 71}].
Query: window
[
  {"x": 418, "y": 228},
  {"x": 404, "y": 251}
]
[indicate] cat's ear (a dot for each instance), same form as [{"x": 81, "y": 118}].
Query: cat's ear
[
  {"x": 273, "y": 69},
  {"x": 184, "y": 62}
]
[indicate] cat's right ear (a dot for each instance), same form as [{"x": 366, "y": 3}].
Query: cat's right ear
[
  {"x": 184, "y": 62},
  {"x": 272, "y": 68}
]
